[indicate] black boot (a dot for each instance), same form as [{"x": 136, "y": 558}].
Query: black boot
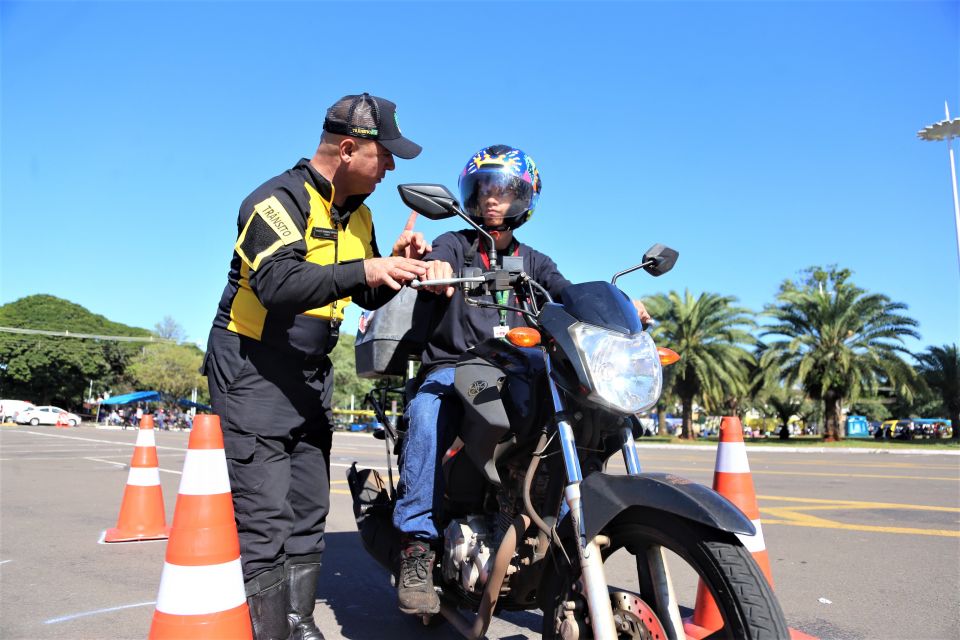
[
  {"x": 267, "y": 601},
  {"x": 415, "y": 583},
  {"x": 302, "y": 588}
]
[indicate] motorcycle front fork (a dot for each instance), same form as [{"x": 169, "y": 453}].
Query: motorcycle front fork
[
  {"x": 591, "y": 562},
  {"x": 656, "y": 563}
]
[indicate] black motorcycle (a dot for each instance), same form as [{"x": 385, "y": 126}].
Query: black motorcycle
[{"x": 531, "y": 519}]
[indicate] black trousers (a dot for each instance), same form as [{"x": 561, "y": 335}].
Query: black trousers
[{"x": 275, "y": 412}]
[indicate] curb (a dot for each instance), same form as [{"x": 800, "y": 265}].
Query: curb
[
  {"x": 777, "y": 449},
  {"x": 751, "y": 447}
]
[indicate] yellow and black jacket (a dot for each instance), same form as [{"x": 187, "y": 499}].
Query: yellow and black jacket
[{"x": 297, "y": 263}]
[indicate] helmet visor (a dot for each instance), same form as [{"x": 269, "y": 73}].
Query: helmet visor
[{"x": 481, "y": 186}]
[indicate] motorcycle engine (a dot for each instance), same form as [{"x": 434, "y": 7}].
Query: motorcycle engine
[{"x": 468, "y": 552}]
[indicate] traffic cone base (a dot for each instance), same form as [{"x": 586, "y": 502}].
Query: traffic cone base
[
  {"x": 143, "y": 500},
  {"x": 226, "y": 625},
  {"x": 142, "y": 516}
]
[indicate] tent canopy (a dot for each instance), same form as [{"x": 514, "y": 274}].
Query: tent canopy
[{"x": 136, "y": 396}]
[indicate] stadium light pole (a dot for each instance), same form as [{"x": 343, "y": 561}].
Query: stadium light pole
[{"x": 947, "y": 130}]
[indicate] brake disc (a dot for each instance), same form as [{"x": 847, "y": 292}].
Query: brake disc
[{"x": 635, "y": 619}]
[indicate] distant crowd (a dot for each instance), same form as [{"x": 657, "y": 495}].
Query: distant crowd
[{"x": 164, "y": 418}]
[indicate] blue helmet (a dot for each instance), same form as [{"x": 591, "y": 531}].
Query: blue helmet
[{"x": 507, "y": 168}]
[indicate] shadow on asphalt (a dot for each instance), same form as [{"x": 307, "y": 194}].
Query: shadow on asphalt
[{"x": 358, "y": 592}]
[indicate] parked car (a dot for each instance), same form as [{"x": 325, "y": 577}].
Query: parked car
[
  {"x": 9, "y": 409},
  {"x": 46, "y": 415}
]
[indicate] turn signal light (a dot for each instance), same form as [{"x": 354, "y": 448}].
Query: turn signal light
[
  {"x": 667, "y": 356},
  {"x": 523, "y": 337}
]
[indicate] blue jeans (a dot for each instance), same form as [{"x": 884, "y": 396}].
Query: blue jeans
[{"x": 431, "y": 418}]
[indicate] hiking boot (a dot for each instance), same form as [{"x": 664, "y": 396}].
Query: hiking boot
[{"x": 415, "y": 583}]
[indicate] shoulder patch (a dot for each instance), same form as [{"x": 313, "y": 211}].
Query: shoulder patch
[
  {"x": 279, "y": 220},
  {"x": 269, "y": 228}
]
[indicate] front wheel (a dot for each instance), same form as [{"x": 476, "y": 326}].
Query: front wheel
[{"x": 697, "y": 554}]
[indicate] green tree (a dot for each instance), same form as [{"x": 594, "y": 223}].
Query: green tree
[
  {"x": 57, "y": 370},
  {"x": 712, "y": 337},
  {"x": 346, "y": 382},
  {"x": 785, "y": 403},
  {"x": 940, "y": 370},
  {"x": 169, "y": 368},
  {"x": 838, "y": 341}
]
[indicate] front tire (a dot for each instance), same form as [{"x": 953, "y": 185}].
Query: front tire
[{"x": 744, "y": 598}]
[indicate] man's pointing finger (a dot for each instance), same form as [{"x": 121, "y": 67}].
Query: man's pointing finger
[{"x": 410, "y": 221}]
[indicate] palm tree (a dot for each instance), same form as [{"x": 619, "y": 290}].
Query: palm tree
[
  {"x": 712, "y": 337},
  {"x": 785, "y": 404},
  {"x": 940, "y": 369},
  {"x": 838, "y": 341}
]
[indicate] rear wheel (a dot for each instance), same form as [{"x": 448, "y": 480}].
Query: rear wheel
[
  {"x": 34, "y": 422},
  {"x": 697, "y": 554}
]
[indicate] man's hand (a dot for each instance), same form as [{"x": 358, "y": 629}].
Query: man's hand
[
  {"x": 393, "y": 272},
  {"x": 642, "y": 312},
  {"x": 411, "y": 244},
  {"x": 437, "y": 270}
]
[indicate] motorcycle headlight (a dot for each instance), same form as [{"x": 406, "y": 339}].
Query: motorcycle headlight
[{"x": 624, "y": 370}]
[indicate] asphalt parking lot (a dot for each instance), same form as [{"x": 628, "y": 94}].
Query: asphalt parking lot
[{"x": 862, "y": 545}]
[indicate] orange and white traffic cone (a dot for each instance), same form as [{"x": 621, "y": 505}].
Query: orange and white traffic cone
[
  {"x": 732, "y": 479},
  {"x": 142, "y": 516},
  {"x": 201, "y": 589},
  {"x": 62, "y": 422}
]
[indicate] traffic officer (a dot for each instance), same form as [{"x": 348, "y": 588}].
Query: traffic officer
[{"x": 305, "y": 248}]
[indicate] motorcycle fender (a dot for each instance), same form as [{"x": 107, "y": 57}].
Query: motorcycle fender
[{"x": 605, "y": 496}]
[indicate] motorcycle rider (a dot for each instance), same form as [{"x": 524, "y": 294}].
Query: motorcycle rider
[{"x": 499, "y": 188}]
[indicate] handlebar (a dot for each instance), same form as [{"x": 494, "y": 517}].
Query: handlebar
[
  {"x": 478, "y": 282},
  {"x": 443, "y": 282}
]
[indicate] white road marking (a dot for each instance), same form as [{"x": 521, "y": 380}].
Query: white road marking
[
  {"x": 55, "y": 446},
  {"x": 74, "y": 616},
  {"x": 121, "y": 455},
  {"x": 113, "y": 442},
  {"x": 5, "y": 561},
  {"x": 360, "y": 466},
  {"x": 121, "y": 464}
]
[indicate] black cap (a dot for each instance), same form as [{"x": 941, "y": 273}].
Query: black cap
[{"x": 373, "y": 118}]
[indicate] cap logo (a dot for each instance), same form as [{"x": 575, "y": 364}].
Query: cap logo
[
  {"x": 361, "y": 131},
  {"x": 396, "y": 121}
]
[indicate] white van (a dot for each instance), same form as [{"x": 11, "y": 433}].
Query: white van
[{"x": 10, "y": 408}]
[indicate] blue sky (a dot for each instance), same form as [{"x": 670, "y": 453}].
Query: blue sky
[{"x": 755, "y": 138}]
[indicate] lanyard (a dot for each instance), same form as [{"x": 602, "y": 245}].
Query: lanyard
[{"x": 501, "y": 296}]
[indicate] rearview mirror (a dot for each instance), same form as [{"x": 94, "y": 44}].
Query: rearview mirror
[
  {"x": 433, "y": 201},
  {"x": 663, "y": 259}
]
